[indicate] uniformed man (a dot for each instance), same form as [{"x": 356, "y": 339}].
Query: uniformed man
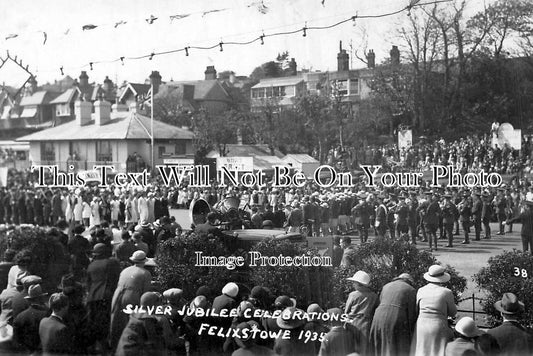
[
  {"x": 431, "y": 220},
  {"x": 477, "y": 207},
  {"x": 381, "y": 216},
  {"x": 449, "y": 215},
  {"x": 465, "y": 211},
  {"x": 412, "y": 218},
  {"x": 422, "y": 208},
  {"x": 402, "y": 212},
  {"x": 500, "y": 205},
  {"x": 361, "y": 213},
  {"x": 486, "y": 213}
]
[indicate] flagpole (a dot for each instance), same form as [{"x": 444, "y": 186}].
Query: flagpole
[{"x": 152, "y": 124}]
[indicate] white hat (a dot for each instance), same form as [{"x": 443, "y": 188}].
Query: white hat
[
  {"x": 138, "y": 256},
  {"x": 436, "y": 273},
  {"x": 231, "y": 289},
  {"x": 360, "y": 277},
  {"x": 467, "y": 327}
]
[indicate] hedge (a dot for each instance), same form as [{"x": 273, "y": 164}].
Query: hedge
[{"x": 500, "y": 277}]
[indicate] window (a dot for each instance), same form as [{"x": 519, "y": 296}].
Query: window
[
  {"x": 340, "y": 87},
  {"x": 104, "y": 151},
  {"x": 48, "y": 152},
  {"x": 62, "y": 110},
  {"x": 180, "y": 148},
  {"x": 161, "y": 150},
  {"x": 354, "y": 86},
  {"x": 258, "y": 93}
]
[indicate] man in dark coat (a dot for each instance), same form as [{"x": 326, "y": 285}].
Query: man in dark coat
[
  {"x": 431, "y": 220},
  {"x": 500, "y": 205},
  {"x": 148, "y": 237},
  {"x": 512, "y": 337},
  {"x": 102, "y": 278},
  {"x": 526, "y": 218},
  {"x": 26, "y": 324},
  {"x": 449, "y": 215},
  {"x": 486, "y": 213},
  {"x": 338, "y": 341},
  {"x": 361, "y": 213},
  {"x": 465, "y": 210},
  {"x": 78, "y": 248},
  {"x": 477, "y": 207},
  {"x": 395, "y": 318},
  {"x": 56, "y": 338}
]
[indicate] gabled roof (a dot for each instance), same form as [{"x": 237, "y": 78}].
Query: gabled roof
[
  {"x": 234, "y": 150},
  {"x": 38, "y": 98},
  {"x": 135, "y": 89},
  {"x": 300, "y": 158},
  {"x": 132, "y": 126},
  {"x": 282, "y": 81},
  {"x": 68, "y": 96},
  {"x": 205, "y": 90}
]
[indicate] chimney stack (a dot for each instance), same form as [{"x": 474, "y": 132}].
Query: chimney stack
[
  {"x": 108, "y": 85},
  {"x": 371, "y": 59},
  {"x": 210, "y": 73},
  {"x": 84, "y": 79},
  {"x": 83, "y": 110},
  {"x": 343, "y": 59},
  {"x": 292, "y": 67},
  {"x": 102, "y": 112},
  {"x": 155, "y": 81},
  {"x": 395, "y": 56}
]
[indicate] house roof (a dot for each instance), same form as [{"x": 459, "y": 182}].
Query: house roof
[
  {"x": 266, "y": 163},
  {"x": 38, "y": 98},
  {"x": 282, "y": 81},
  {"x": 235, "y": 150},
  {"x": 67, "y": 96},
  {"x": 136, "y": 89},
  {"x": 205, "y": 90},
  {"x": 132, "y": 126},
  {"x": 300, "y": 158}
]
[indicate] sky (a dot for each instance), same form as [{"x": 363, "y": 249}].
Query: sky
[{"x": 50, "y": 36}]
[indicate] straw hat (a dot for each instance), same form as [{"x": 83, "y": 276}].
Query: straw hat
[
  {"x": 288, "y": 320},
  {"x": 35, "y": 291},
  {"x": 138, "y": 257},
  {"x": 231, "y": 289},
  {"x": 360, "y": 277},
  {"x": 467, "y": 327},
  {"x": 436, "y": 273}
]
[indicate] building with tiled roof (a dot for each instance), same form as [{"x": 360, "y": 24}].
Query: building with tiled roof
[{"x": 109, "y": 137}]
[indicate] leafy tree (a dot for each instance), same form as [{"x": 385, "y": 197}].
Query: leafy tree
[{"x": 170, "y": 108}]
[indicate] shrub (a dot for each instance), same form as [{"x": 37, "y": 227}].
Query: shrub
[
  {"x": 49, "y": 259},
  {"x": 499, "y": 278},
  {"x": 177, "y": 268},
  {"x": 306, "y": 284},
  {"x": 385, "y": 259}
]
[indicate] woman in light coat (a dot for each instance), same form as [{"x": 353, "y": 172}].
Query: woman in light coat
[{"x": 435, "y": 304}]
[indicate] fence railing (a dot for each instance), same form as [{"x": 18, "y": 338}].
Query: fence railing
[{"x": 474, "y": 311}]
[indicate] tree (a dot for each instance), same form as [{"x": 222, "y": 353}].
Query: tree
[
  {"x": 170, "y": 108},
  {"x": 217, "y": 131}
]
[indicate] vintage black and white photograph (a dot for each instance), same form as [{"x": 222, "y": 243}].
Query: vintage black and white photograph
[{"x": 266, "y": 177}]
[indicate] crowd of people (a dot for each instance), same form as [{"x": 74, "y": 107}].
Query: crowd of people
[{"x": 119, "y": 310}]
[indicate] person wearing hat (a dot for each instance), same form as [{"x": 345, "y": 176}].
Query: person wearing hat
[
  {"x": 348, "y": 252},
  {"x": 56, "y": 337},
  {"x": 26, "y": 324},
  {"x": 360, "y": 308},
  {"x": 477, "y": 208},
  {"x": 315, "y": 324},
  {"x": 412, "y": 217},
  {"x": 401, "y": 211},
  {"x": 23, "y": 261},
  {"x": 79, "y": 248},
  {"x": 361, "y": 213},
  {"x": 512, "y": 337},
  {"x": 19, "y": 303},
  {"x": 465, "y": 211},
  {"x": 140, "y": 245},
  {"x": 466, "y": 332},
  {"x": 500, "y": 209},
  {"x": 291, "y": 319},
  {"x": 450, "y": 213},
  {"x": 102, "y": 278},
  {"x": 526, "y": 218},
  {"x": 247, "y": 345},
  {"x": 133, "y": 282},
  {"x": 146, "y": 334},
  {"x": 294, "y": 218},
  {"x": 227, "y": 299},
  {"x": 148, "y": 237},
  {"x": 394, "y": 321},
  {"x": 338, "y": 341},
  {"x": 431, "y": 220},
  {"x": 486, "y": 213},
  {"x": 435, "y": 303},
  {"x": 381, "y": 216},
  {"x": 125, "y": 249}
]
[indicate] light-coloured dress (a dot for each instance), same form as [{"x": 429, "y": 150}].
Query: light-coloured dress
[{"x": 432, "y": 333}]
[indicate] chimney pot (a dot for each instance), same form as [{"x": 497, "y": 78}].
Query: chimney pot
[
  {"x": 210, "y": 73},
  {"x": 371, "y": 59},
  {"x": 102, "y": 112},
  {"x": 395, "y": 56},
  {"x": 155, "y": 81},
  {"x": 343, "y": 59}
]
